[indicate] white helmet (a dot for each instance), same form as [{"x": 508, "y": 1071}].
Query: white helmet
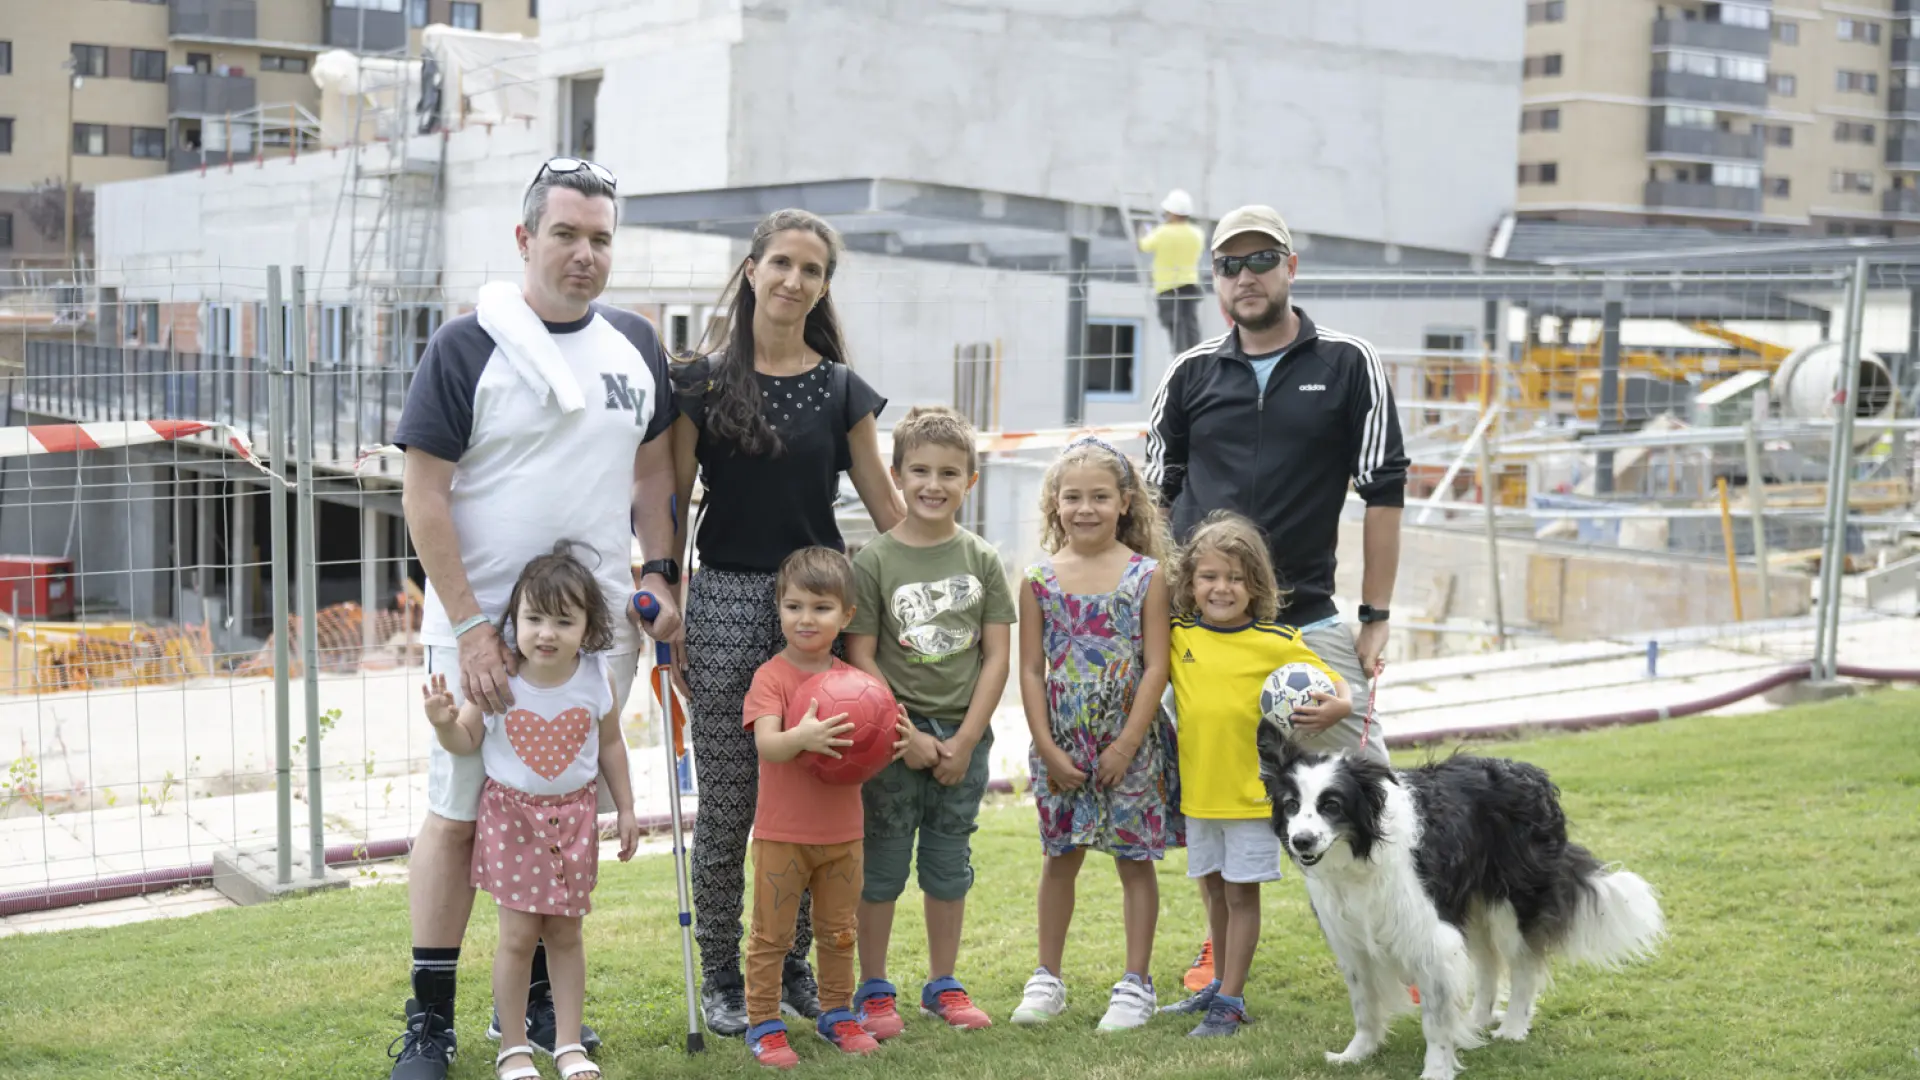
[{"x": 1178, "y": 202}]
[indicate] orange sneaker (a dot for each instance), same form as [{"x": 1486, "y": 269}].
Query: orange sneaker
[
  {"x": 945, "y": 999},
  {"x": 768, "y": 1042},
  {"x": 1415, "y": 992},
  {"x": 1201, "y": 973},
  {"x": 874, "y": 1007}
]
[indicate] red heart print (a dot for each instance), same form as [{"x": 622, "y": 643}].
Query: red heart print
[{"x": 548, "y": 746}]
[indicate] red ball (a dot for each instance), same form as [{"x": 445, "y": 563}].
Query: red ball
[{"x": 868, "y": 704}]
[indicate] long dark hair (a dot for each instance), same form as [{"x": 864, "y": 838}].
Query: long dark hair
[
  {"x": 552, "y": 582},
  {"x": 732, "y": 395}
]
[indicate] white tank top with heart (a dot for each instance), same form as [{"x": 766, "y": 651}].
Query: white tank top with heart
[{"x": 548, "y": 742}]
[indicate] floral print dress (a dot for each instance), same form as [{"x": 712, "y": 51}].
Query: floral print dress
[{"x": 1095, "y": 657}]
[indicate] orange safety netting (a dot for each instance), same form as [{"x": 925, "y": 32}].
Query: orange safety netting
[
  {"x": 48, "y": 657},
  {"x": 343, "y": 643}
]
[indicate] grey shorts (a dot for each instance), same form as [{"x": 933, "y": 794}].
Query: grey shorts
[{"x": 1333, "y": 641}]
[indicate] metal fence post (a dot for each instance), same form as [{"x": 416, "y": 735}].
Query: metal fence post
[
  {"x": 309, "y": 570},
  {"x": 1839, "y": 495},
  {"x": 277, "y": 521}
]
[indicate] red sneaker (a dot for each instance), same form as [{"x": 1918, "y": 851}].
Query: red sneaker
[
  {"x": 842, "y": 1030},
  {"x": 768, "y": 1042},
  {"x": 1201, "y": 973},
  {"x": 945, "y": 999},
  {"x": 874, "y": 1007}
]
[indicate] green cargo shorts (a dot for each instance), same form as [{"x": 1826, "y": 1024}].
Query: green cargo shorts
[{"x": 903, "y": 803}]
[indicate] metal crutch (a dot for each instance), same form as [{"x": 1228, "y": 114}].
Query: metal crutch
[{"x": 648, "y": 608}]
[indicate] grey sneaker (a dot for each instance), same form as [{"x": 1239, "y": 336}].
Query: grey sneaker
[
  {"x": 1198, "y": 1003},
  {"x": 1131, "y": 1005},
  {"x": 1223, "y": 1018},
  {"x": 723, "y": 999}
]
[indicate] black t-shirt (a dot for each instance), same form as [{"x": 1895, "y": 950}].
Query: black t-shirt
[{"x": 759, "y": 509}]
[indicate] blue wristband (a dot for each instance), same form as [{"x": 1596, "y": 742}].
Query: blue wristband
[{"x": 468, "y": 624}]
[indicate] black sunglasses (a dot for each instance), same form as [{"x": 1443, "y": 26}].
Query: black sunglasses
[
  {"x": 1260, "y": 262},
  {"x": 570, "y": 165}
]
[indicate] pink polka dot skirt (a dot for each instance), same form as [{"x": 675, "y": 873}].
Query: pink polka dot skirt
[{"x": 538, "y": 853}]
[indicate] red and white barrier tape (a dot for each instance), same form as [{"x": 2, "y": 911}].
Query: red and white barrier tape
[{"x": 112, "y": 435}]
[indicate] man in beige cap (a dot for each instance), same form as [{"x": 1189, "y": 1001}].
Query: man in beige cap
[{"x": 1275, "y": 419}]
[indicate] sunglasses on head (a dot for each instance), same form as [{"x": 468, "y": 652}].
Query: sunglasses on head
[
  {"x": 1260, "y": 262},
  {"x": 569, "y": 165}
]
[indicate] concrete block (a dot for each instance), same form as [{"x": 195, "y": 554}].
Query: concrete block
[
  {"x": 249, "y": 875},
  {"x": 1806, "y": 690}
]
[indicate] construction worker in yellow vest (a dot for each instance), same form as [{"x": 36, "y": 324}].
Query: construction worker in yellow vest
[{"x": 1176, "y": 244}]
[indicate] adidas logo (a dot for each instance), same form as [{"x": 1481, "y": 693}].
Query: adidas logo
[
  {"x": 1313, "y": 386},
  {"x": 1187, "y": 657}
]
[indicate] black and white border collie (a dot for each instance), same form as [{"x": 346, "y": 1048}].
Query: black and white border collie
[{"x": 1440, "y": 877}]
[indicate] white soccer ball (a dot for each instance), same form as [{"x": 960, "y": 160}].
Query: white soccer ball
[{"x": 1288, "y": 688}]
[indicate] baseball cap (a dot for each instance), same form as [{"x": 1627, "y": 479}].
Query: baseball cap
[{"x": 1264, "y": 220}]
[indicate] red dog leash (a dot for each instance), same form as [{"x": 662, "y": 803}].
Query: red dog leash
[{"x": 1373, "y": 695}]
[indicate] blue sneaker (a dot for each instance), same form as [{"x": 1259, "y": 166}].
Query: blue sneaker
[
  {"x": 945, "y": 999},
  {"x": 1224, "y": 1017},
  {"x": 768, "y": 1043},
  {"x": 839, "y": 1027},
  {"x": 1200, "y": 1002}
]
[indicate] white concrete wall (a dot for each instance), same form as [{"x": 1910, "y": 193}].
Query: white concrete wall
[{"x": 1390, "y": 120}]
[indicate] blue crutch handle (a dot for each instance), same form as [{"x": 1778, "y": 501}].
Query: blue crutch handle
[{"x": 648, "y": 609}]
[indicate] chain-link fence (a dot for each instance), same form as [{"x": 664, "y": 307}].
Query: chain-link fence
[{"x": 1629, "y": 483}]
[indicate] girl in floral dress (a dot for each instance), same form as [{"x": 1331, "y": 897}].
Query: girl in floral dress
[{"x": 1093, "y": 661}]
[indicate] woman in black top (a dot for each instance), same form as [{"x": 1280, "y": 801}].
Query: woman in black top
[{"x": 771, "y": 418}]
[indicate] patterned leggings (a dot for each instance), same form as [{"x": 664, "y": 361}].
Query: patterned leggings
[{"x": 733, "y": 626}]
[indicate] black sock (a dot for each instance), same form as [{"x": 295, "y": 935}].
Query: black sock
[
  {"x": 433, "y": 975},
  {"x": 538, "y": 988}
]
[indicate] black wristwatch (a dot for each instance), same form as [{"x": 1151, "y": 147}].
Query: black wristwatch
[
  {"x": 1371, "y": 614},
  {"x": 668, "y": 569}
]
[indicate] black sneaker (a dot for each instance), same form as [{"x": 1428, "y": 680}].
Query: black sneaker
[
  {"x": 799, "y": 993},
  {"x": 427, "y": 1047},
  {"x": 723, "y": 999},
  {"x": 540, "y": 1025}
]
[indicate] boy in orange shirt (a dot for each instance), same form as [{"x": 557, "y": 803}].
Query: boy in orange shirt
[{"x": 807, "y": 834}]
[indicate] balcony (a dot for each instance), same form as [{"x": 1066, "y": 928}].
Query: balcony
[
  {"x": 190, "y": 94},
  {"x": 1665, "y": 139},
  {"x": 1705, "y": 89},
  {"x": 1905, "y": 52},
  {"x": 1902, "y": 201},
  {"x": 1903, "y": 153},
  {"x": 1674, "y": 195},
  {"x": 1696, "y": 34},
  {"x": 366, "y": 30},
  {"x": 193, "y": 160},
  {"x": 235, "y": 19},
  {"x": 1904, "y": 99}
]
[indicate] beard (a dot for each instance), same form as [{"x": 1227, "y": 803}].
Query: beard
[{"x": 1273, "y": 315}]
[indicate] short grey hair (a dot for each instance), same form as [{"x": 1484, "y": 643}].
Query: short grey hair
[{"x": 533, "y": 206}]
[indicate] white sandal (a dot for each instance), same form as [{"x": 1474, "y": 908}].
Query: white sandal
[
  {"x": 524, "y": 1072},
  {"x": 584, "y": 1065}
]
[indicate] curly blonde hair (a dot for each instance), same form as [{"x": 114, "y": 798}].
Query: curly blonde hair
[
  {"x": 1240, "y": 542},
  {"x": 1141, "y": 527}
]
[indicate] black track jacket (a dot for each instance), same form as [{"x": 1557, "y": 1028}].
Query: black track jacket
[{"x": 1283, "y": 458}]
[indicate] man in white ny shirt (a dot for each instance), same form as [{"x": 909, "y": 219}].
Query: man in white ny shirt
[{"x": 536, "y": 418}]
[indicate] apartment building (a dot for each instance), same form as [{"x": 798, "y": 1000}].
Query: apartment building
[
  {"x": 102, "y": 90},
  {"x": 1750, "y": 116}
]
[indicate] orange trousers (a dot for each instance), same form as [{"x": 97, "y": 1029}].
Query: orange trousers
[{"x": 834, "y": 874}]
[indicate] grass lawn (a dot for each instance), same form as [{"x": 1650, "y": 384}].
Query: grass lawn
[{"x": 1784, "y": 847}]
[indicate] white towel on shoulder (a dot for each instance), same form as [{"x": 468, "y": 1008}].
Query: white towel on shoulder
[{"x": 520, "y": 334}]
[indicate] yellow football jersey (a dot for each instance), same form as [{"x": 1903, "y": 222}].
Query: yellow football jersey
[{"x": 1217, "y": 674}]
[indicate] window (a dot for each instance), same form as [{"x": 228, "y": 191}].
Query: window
[
  {"x": 1536, "y": 66},
  {"x": 153, "y": 323},
  {"x": 1540, "y": 120},
  {"x": 90, "y": 140},
  {"x": 1853, "y": 131},
  {"x": 6, "y": 134},
  {"x": 130, "y": 317},
  {"x": 533, "y": 9},
  {"x": 6, "y": 230},
  {"x": 1716, "y": 66},
  {"x": 1858, "y": 82},
  {"x": 6, "y": 57},
  {"x": 1749, "y": 15},
  {"x": 370, "y": 5},
  {"x": 336, "y": 328},
  {"x": 1778, "y": 187},
  {"x": 1784, "y": 85},
  {"x": 465, "y": 16},
  {"x": 1548, "y": 11},
  {"x": 416, "y": 13},
  {"x": 1110, "y": 359},
  {"x": 1777, "y": 134},
  {"x": 1543, "y": 173},
  {"x": 1786, "y": 33},
  {"x": 1847, "y": 181},
  {"x": 296, "y": 65},
  {"x": 1867, "y": 33},
  {"x": 149, "y": 142},
  {"x": 1688, "y": 116},
  {"x": 201, "y": 63},
  {"x": 1740, "y": 176},
  {"x": 90, "y": 60},
  {"x": 150, "y": 65}
]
